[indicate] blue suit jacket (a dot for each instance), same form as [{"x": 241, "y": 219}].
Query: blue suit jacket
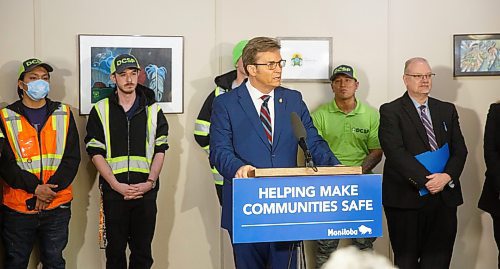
[{"x": 237, "y": 137}]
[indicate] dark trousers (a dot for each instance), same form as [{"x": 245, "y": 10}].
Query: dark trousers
[
  {"x": 275, "y": 255},
  {"x": 49, "y": 227},
  {"x": 129, "y": 222},
  {"x": 496, "y": 232},
  {"x": 218, "y": 189},
  {"x": 423, "y": 238}
]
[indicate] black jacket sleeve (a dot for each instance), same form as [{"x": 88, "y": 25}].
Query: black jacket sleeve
[
  {"x": 66, "y": 172},
  {"x": 202, "y": 137},
  {"x": 2, "y": 139},
  {"x": 161, "y": 144},
  {"x": 492, "y": 145}
]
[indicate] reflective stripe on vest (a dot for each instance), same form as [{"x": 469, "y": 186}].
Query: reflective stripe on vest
[
  {"x": 38, "y": 152},
  {"x": 31, "y": 162},
  {"x": 206, "y": 149},
  {"x": 94, "y": 143},
  {"x": 201, "y": 127},
  {"x": 133, "y": 163},
  {"x": 162, "y": 140},
  {"x": 151, "y": 131},
  {"x": 122, "y": 164},
  {"x": 102, "y": 108},
  {"x": 218, "y": 179},
  {"x": 219, "y": 91}
]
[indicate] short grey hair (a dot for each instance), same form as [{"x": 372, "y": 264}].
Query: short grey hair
[{"x": 413, "y": 60}]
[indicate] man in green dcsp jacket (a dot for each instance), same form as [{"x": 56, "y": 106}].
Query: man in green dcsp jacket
[{"x": 351, "y": 129}]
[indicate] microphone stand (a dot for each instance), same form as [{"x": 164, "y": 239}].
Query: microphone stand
[
  {"x": 307, "y": 155},
  {"x": 309, "y": 162}
]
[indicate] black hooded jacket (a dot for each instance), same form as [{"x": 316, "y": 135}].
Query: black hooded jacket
[
  {"x": 224, "y": 83},
  {"x": 128, "y": 138}
]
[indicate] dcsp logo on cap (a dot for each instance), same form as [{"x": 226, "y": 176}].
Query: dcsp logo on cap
[
  {"x": 33, "y": 61},
  {"x": 125, "y": 60},
  {"x": 343, "y": 69},
  {"x": 122, "y": 62}
]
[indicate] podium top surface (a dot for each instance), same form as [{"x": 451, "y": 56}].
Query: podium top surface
[{"x": 305, "y": 171}]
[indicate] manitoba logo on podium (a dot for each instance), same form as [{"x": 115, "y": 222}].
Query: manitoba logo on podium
[{"x": 306, "y": 208}]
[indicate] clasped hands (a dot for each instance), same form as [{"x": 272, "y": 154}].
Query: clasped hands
[
  {"x": 132, "y": 191},
  {"x": 44, "y": 196},
  {"x": 437, "y": 182}
]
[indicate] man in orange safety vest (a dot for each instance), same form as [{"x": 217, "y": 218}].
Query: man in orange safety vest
[{"x": 38, "y": 164}]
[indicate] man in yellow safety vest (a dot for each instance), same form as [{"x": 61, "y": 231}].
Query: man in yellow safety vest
[{"x": 127, "y": 139}]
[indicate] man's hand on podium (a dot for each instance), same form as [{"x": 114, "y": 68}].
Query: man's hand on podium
[{"x": 243, "y": 171}]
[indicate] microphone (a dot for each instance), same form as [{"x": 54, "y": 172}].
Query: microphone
[{"x": 300, "y": 133}]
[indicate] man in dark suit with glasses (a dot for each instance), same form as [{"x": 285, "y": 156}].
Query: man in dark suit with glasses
[{"x": 425, "y": 155}]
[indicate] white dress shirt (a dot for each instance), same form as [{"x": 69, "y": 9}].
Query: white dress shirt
[{"x": 257, "y": 102}]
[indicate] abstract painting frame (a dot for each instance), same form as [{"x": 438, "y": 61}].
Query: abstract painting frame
[
  {"x": 476, "y": 55},
  {"x": 308, "y": 59},
  {"x": 162, "y": 67}
]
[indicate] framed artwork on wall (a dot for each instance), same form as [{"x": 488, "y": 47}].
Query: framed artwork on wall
[
  {"x": 162, "y": 67},
  {"x": 476, "y": 55},
  {"x": 307, "y": 58}
]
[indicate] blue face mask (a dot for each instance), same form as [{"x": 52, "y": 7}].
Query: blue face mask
[{"x": 38, "y": 89}]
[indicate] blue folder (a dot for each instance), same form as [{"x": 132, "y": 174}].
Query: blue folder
[{"x": 434, "y": 161}]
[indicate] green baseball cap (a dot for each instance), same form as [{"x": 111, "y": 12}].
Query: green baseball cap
[
  {"x": 31, "y": 64},
  {"x": 122, "y": 62},
  {"x": 238, "y": 50},
  {"x": 345, "y": 70}
]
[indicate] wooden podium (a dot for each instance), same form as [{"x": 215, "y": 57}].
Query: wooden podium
[
  {"x": 288, "y": 173},
  {"x": 227, "y": 190},
  {"x": 306, "y": 171}
]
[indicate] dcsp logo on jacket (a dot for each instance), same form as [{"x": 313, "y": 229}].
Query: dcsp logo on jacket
[{"x": 360, "y": 130}]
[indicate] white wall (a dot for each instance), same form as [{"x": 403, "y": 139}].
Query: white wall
[{"x": 376, "y": 37}]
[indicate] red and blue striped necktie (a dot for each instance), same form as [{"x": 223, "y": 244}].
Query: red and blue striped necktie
[{"x": 265, "y": 117}]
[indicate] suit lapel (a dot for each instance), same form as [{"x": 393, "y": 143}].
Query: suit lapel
[
  {"x": 248, "y": 107},
  {"x": 280, "y": 113},
  {"x": 415, "y": 119}
]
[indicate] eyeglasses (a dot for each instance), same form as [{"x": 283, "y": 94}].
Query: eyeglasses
[
  {"x": 273, "y": 65},
  {"x": 421, "y": 77}
]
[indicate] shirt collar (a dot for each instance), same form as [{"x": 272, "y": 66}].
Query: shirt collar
[
  {"x": 417, "y": 105},
  {"x": 256, "y": 94},
  {"x": 358, "y": 109}
]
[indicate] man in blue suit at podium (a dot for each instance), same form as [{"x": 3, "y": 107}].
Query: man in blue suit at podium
[{"x": 251, "y": 128}]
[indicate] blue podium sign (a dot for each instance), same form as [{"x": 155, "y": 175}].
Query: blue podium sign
[{"x": 307, "y": 208}]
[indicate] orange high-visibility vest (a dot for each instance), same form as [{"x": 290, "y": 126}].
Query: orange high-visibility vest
[{"x": 39, "y": 154}]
